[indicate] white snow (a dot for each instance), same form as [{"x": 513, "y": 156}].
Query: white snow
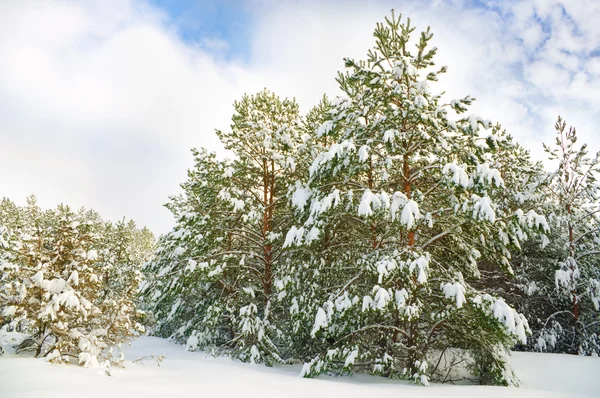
[
  {"x": 516, "y": 323},
  {"x": 351, "y": 358},
  {"x": 178, "y": 251},
  {"x": 92, "y": 255},
  {"x": 363, "y": 153},
  {"x": 300, "y": 196},
  {"x": 320, "y": 321},
  {"x": 54, "y": 286},
  {"x": 38, "y": 278},
  {"x": 293, "y": 235},
  {"x": 389, "y": 135},
  {"x": 489, "y": 175},
  {"x": 401, "y": 296},
  {"x": 482, "y": 208},
  {"x": 368, "y": 203},
  {"x": 325, "y": 128},
  {"x": 313, "y": 234},
  {"x": 455, "y": 290},
  {"x": 420, "y": 101},
  {"x": 336, "y": 150},
  {"x": 459, "y": 175},
  {"x": 9, "y": 311},
  {"x": 410, "y": 214},
  {"x": 421, "y": 264},
  {"x": 189, "y": 374},
  {"x": 74, "y": 278},
  {"x": 398, "y": 200}
]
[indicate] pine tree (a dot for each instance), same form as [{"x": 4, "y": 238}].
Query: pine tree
[
  {"x": 56, "y": 288},
  {"x": 227, "y": 245},
  {"x": 31, "y": 234},
  {"x": 399, "y": 216},
  {"x": 10, "y": 288},
  {"x": 525, "y": 185},
  {"x": 186, "y": 286},
  {"x": 298, "y": 284},
  {"x": 571, "y": 320},
  {"x": 119, "y": 267}
]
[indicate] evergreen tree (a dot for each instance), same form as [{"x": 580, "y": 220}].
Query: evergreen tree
[
  {"x": 564, "y": 278},
  {"x": 525, "y": 185},
  {"x": 398, "y": 213},
  {"x": 60, "y": 286},
  {"x": 227, "y": 245}
]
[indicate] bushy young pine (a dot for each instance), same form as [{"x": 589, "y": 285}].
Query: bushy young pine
[
  {"x": 216, "y": 270},
  {"x": 56, "y": 290},
  {"x": 398, "y": 213}
]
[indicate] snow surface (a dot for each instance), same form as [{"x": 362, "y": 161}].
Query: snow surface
[{"x": 193, "y": 374}]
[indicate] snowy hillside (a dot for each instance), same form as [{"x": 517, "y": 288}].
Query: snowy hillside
[{"x": 187, "y": 374}]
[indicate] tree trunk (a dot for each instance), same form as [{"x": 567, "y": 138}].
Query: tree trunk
[{"x": 268, "y": 200}]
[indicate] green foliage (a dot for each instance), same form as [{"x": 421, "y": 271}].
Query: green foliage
[
  {"x": 216, "y": 272},
  {"x": 399, "y": 217},
  {"x": 381, "y": 232}
]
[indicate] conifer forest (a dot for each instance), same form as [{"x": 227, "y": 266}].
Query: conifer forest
[{"x": 387, "y": 231}]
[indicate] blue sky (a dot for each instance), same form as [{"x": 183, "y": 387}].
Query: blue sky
[
  {"x": 100, "y": 102},
  {"x": 228, "y": 21}
]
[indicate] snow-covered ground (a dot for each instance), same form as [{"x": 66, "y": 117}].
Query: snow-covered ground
[{"x": 193, "y": 374}]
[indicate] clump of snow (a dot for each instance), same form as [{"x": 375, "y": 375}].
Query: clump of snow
[
  {"x": 398, "y": 201},
  {"x": 92, "y": 255},
  {"x": 512, "y": 320},
  {"x": 421, "y": 265},
  {"x": 192, "y": 342},
  {"x": 489, "y": 175},
  {"x": 458, "y": 174},
  {"x": 294, "y": 235},
  {"x": 389, "y": 135},
  {"x": 300, "y": 196},
  {"x": 455, "y": 290},
  {"x": 325, "y": 128},
  {"x": 335, "y": 151},
  {"x": 54, "y": 286},
  {"x": 410, "y": 214},
  {"x": 9, "y": 311},
  {"x": 482, "y": 208},
  {"x": 368, "y": 203},
  {"x": 363, "y": 153},
  {"x": 532, "y": 220},
  {"x": 382, "y": 297},
  {"x": 320, "y": 322},
  {"x": 351, "y": 358}
]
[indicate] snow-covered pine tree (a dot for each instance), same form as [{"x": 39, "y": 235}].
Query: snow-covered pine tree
[
  {"x": 400, "y": 214},
  {"x": 10, "y": 288},
  {"x": 54, "y": 292},
  {"x": 569, "y": 279},
  {"x": 186, "y": 288},
  {"x": 298, "y": 284},
  {"x": 227, "y": 244},
  {"x": 124, "y": 249},
  {"x": 264, "y": 137},
  {"x": 31, "y": 233},
  {"x": 525, "y": 184},
  {"x": 71, "y": 288}
]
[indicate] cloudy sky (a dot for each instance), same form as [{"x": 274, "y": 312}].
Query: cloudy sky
[{"x": 100, "y": 101}]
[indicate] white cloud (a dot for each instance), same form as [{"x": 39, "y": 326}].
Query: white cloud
[
  {"x": 101, "y": 109},
  {"x": 99, "y": 104}
]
